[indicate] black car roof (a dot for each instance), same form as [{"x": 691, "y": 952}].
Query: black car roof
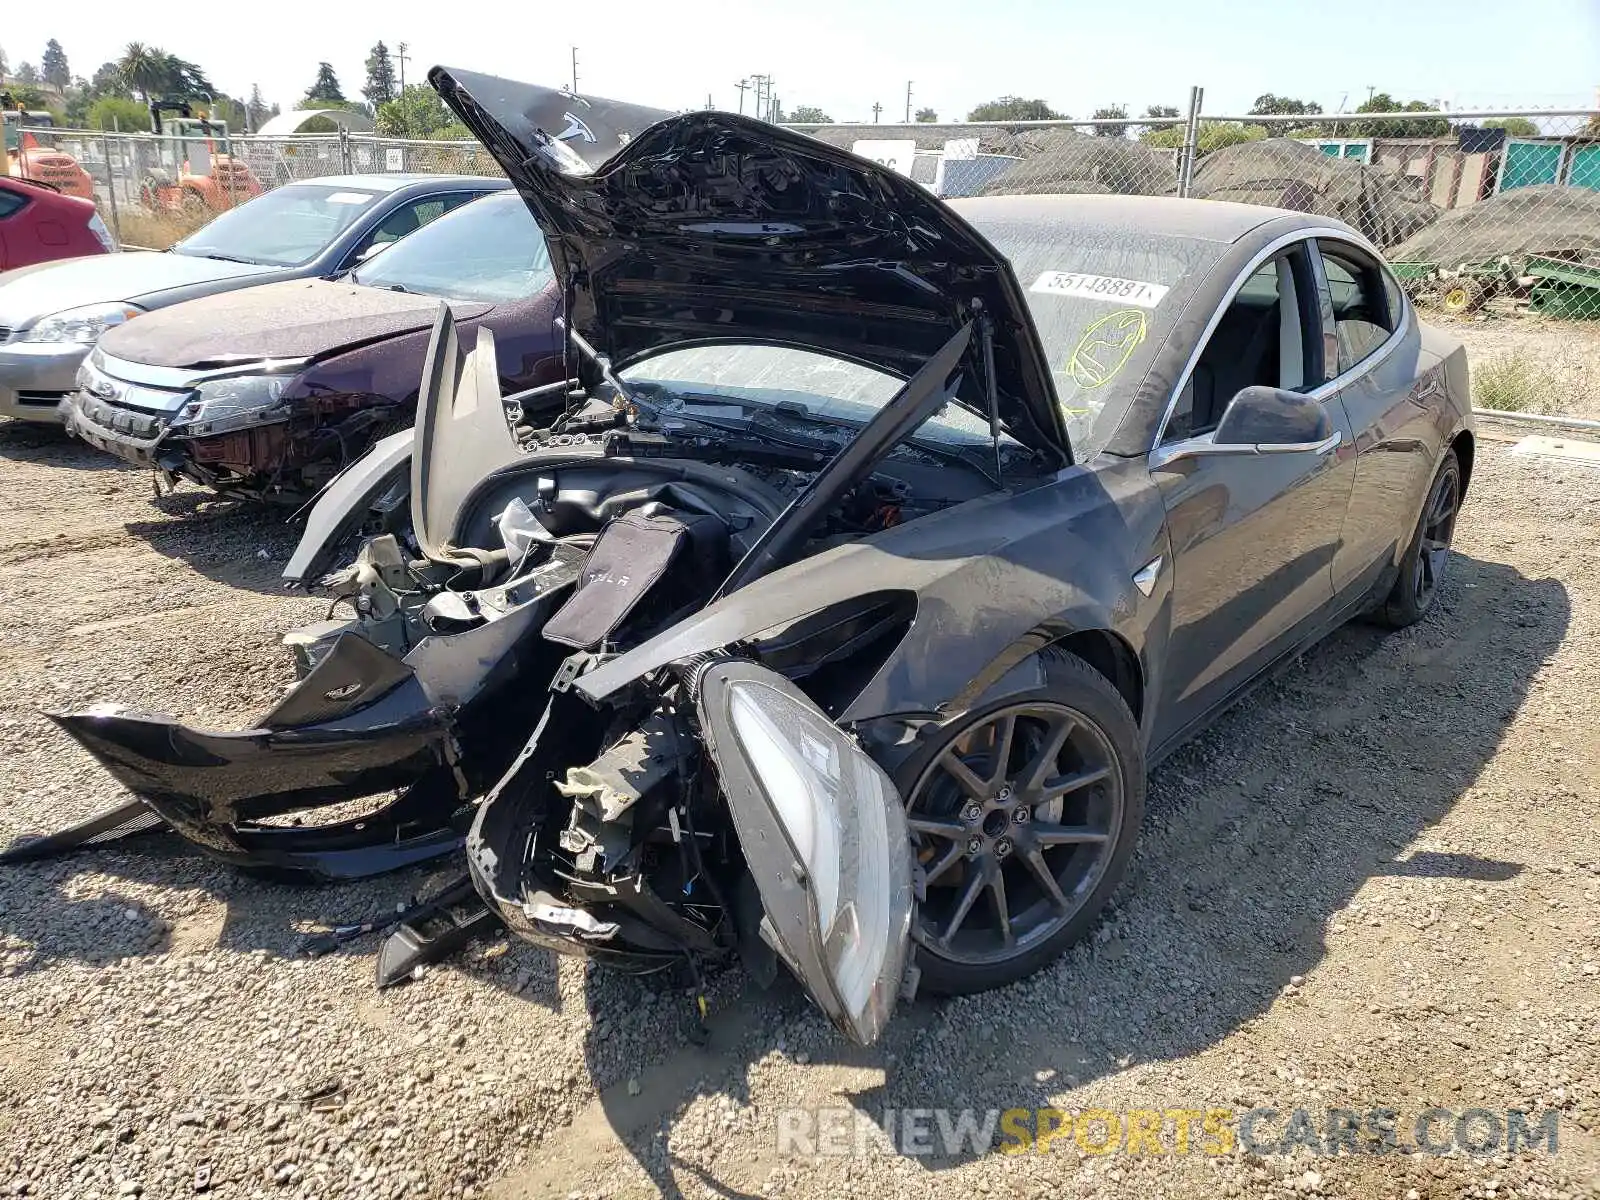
[{"x": 1200, "y": 220}]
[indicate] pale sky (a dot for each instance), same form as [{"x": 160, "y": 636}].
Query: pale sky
[{"x": 844, "y": 55}]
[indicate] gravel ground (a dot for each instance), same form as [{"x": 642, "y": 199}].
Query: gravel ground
[{"x": 1374, "y": 884}]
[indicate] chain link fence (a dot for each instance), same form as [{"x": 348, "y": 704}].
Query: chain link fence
[
  {"x": 1478, "y": 209},
  {"x": 1497, "y": 209}
]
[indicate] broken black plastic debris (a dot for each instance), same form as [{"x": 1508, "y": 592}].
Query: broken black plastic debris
[{"x": 432, "y": 930}]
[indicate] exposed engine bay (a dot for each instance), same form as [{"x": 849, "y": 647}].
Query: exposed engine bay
[{"x": 608, "y": 832}]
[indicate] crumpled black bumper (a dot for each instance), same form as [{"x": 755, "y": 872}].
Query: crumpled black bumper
[{"x": 360, "y": 724}]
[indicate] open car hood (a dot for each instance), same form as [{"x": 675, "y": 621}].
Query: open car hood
[{"x": 679, "y": 230}]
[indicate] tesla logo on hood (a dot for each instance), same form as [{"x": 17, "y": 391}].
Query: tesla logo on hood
[{"x": 575, "y": 128}]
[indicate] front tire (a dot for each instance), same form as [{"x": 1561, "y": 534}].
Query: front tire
[
  {"x": 1025, "y": 813},
  {"x": 1422, "y": 567}
]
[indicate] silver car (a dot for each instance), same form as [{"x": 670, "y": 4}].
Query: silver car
[{"x": 52, "y": 314}]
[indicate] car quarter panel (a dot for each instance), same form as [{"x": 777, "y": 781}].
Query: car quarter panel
[
  {"x": 996, "y": 579},
  {"x": 1403, "y": 414}
]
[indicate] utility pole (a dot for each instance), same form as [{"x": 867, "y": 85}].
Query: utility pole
[
  {"x": 574, "y": 70},
  {"x": 742, "y": 85},
  {"x": 400, "y": 56},
  {"x": 876, "y": 109},
  {"x": 908, "y": 101}
]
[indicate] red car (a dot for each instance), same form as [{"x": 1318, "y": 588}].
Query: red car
[{"x": 40, "y": 224}]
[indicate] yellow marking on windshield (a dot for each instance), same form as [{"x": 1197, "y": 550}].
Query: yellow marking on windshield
[{"x": 1105, "y": 347}]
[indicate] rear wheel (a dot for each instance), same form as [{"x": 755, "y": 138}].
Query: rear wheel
[
  {"x": 1422, "y": 569},
  {"x": 1024, "y": 813}
]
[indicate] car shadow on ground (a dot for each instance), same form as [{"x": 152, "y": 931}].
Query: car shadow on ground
[
  {"x": 51, "y": 445},
  {"x": 1256, "y": 835},
  {"x": 242, "y": 543},
  {"x": 56, "y": 918}
]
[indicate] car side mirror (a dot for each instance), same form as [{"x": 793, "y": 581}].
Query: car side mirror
[{"x": 1259, "y": 420}]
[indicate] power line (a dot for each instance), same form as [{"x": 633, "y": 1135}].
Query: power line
[{"x": 402, "y": 58}]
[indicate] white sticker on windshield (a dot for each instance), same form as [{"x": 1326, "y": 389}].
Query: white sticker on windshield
[
  {"x": 350, "y": 198},
  {"x": 1100, "y": 287}
]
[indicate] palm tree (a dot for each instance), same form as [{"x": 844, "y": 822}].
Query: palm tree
[{"x": 144, "y": 68}]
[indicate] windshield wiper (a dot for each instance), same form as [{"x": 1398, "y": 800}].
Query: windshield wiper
[
  {"x": 603, "y": 364},
  {"x": 249, "y": 262},
  {"x": 973, "y": 455}
]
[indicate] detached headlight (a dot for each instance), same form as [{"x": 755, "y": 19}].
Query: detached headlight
[
  {"x": 824, "y": 833},
  {"x": 81, "y": 326},
  {"x": 239, "y": 400}
]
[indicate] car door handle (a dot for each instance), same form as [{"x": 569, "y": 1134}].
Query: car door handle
[{"x": 1322, "y": 447}]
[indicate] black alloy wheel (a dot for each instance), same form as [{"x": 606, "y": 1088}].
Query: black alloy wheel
[
  {"x": 1023, "y": 817},
  {"x": 1422, "y": 569}
]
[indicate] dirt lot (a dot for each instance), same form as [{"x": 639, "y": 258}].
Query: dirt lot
[
  {"x": 1374, "y": 885},
  {"x": 1561, "y": 362}
]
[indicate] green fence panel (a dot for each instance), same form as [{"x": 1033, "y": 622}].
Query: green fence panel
[{"x": 1528, "y": 163}]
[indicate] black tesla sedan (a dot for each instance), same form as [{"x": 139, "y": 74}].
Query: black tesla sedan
[{"x": 877, "y": 550}]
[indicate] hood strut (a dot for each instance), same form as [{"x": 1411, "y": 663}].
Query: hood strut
[{"x": 991, "y": 388}]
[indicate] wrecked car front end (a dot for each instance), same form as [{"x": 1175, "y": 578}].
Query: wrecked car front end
[{"x": 603, "y": 655}]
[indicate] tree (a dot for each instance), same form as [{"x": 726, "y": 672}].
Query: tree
[
  {"x": 1383, "y": 102},
  {"x": 53, "y": 66},
  {"x": 1268, "y": 104},
  {"x": 1158, "y": 111},
  {"x": 1113, "y": 112},
  {"x": 1015, "y": 108},
  {"x": 381, "y": 86},
  {"x": 4, "y": 65},
  {"x": 143, "y": 68},
  {"x": 1212, "y": 135},
  {"x": 418, "y": 112},
  {"x": 325, "y": 88},
  {"x": 29, "y": 95},
  {"x": 118, "y": 112},
  {"x": 109, "y": 81},
  {"x": 926, "y": 116},
  {"x": 183, "y": 78},
  {"x": 26, "y": 74},
  {"x": 256, "y": 109},
  {"x": 810, "y": 114},
  {"x": 1516, "y": 126}
]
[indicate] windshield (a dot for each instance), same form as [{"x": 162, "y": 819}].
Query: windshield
[
  {"x": 489, "y": 249},
  {"x": 286, "y": 227},
  {"x": 1103, "y": 300},
  {"x": 831, "y": 389}
]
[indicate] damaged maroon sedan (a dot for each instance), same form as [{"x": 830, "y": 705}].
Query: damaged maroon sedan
[{"x": 269, "y": 392}]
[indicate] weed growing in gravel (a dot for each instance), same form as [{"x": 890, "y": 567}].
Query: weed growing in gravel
[{"x": 1513, "y": 382}]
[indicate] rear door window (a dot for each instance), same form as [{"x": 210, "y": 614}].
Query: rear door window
[
  {"x": 10, "y": 203},
  {"x": 1364, "y": 313}
]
